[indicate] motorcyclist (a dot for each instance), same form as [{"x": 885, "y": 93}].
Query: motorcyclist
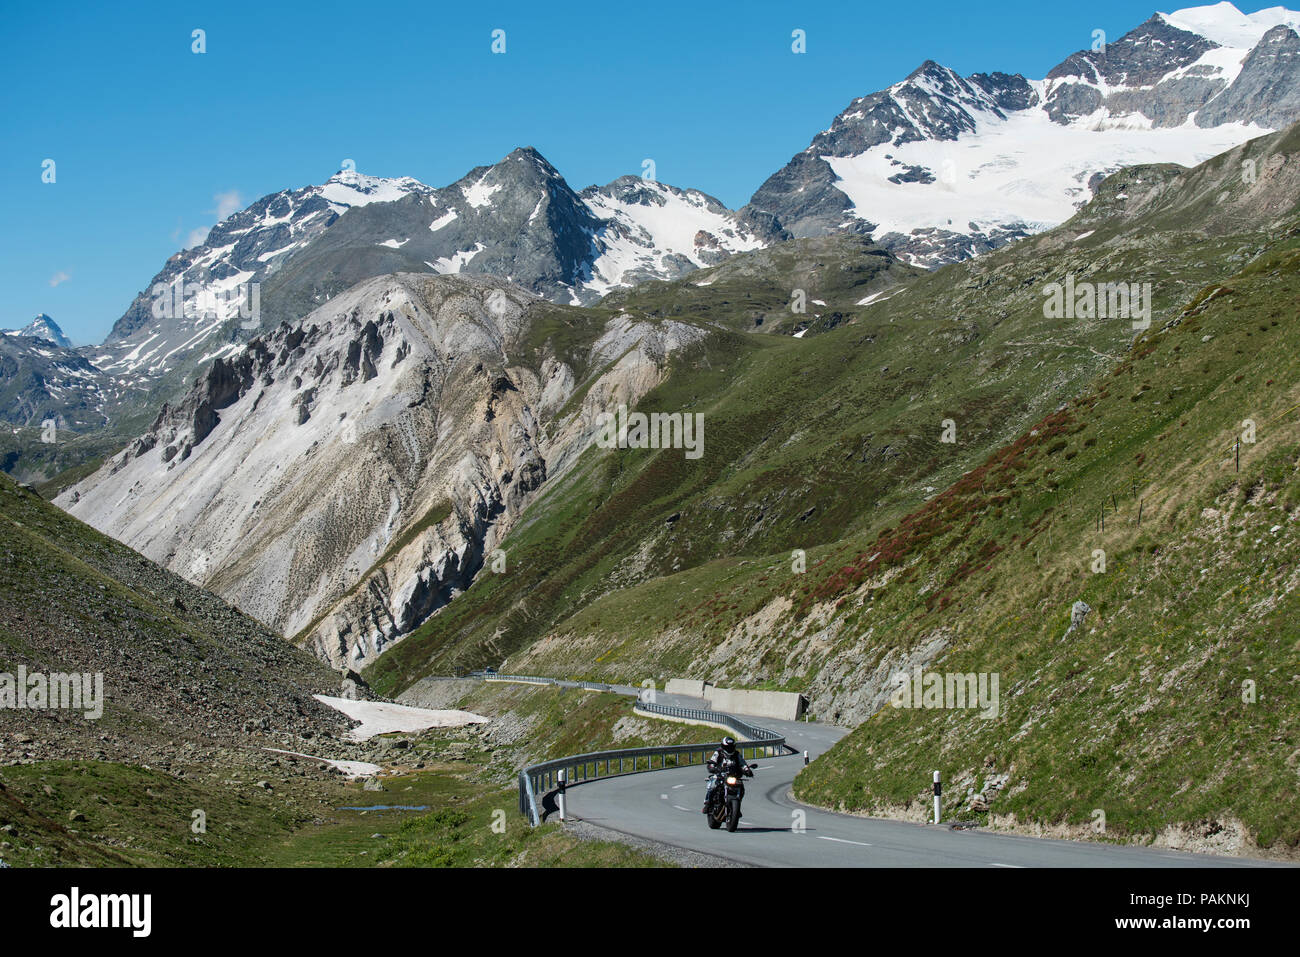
[{"x": 727, "y": 759}]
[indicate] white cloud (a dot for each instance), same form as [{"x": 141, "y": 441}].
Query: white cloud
[
  {"x": 228, "y": 202},
  {"x": 59, "y": 277},
  {"x": 224, "y": 204}
]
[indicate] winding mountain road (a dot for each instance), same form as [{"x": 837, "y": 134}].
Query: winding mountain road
[{"x": 664, "y": 806}]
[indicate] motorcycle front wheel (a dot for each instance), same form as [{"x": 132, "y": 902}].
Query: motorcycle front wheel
[{"x": 733, "y": 815}]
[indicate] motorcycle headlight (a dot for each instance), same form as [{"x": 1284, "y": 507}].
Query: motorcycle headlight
[{"x": 731, "y": 780}]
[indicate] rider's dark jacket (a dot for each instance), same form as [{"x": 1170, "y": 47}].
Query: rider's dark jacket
[{"x": 719, "y": 760}]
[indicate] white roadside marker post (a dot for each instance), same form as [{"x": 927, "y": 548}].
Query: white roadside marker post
[
  {"x": 805, "y": 757},
  {"x": 560, "y": 795},
  {"x": 938, "y": 790}
]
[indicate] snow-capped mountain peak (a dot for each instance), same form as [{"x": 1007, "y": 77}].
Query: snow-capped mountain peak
[
  {"x": 940, "y": 167},
  {"x": 516, "y": 219},
  {"x": 42, "y": 327}
]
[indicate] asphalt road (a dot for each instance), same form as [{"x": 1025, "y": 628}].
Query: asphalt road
[{"x": 665, "y": 806}]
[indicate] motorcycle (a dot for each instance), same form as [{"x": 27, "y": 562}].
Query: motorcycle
[{"x": 725, "y": 794}]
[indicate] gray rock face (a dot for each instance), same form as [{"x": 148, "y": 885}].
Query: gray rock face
[
  {"x": 517, "y": 219},
  {"x": 41, "y": 381},
  {"x": 1157, "y": 73},
  {"x": 1078, "y": 612},
  {"x": 1267, "y": 91},
  {"x": 801, "y": 199},
  {"x": 344, "y": 478},
  {"x": 1141, "y": 58},
  {"x": 290, "y": 252}
]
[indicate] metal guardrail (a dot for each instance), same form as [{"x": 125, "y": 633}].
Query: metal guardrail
[
  {"x": 537, "y": 779},
  {"x": 527, "y": 679},
  {"x": 535, "y": 680},
  {"x": 743, "y": 728}
]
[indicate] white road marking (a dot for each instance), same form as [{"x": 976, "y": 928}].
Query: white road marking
[
  {"x": 676, "y": 786},
  {"x": 996, "y": 864},
  {"x": 840, "y": 840},
  {"x": 680, "y": 808}
]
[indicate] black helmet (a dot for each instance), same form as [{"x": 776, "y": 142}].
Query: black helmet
[{"x": 729, "y": 745}]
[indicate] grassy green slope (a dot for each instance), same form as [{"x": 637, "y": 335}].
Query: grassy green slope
[
  {"x": 756, "y": 291},
  {"x": 101, "y": 814},
  {"x": 177, "y": 662},
  {"x": 1176, "y": 700}
]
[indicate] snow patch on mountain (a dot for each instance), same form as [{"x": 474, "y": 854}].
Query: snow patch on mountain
[
  {"x": 346, "y": 189},
  {"x": 443, "y": 220},
  {"x": 480, "y": 193},
  {"x": 456, "y": 262},
  {"x": 1024, "y": 170},
  {"x": 658, "y": 231},
  {"x": 1224, "y": 24}
]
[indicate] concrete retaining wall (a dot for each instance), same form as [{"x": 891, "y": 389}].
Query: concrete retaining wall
[
  {"x": 784, "y": 705},
  {"x": 687, "y": 686}
]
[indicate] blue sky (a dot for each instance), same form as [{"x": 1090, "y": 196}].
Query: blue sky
[{"x": 153, "y": 142}]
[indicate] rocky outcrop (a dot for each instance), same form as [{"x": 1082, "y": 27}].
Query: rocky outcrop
[
  {"x": 1267, "y": 91},
  {"x": 1138, "y": 67}
]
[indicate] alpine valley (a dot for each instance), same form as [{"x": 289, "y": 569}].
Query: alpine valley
[{"x": 387, "y": 472}]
